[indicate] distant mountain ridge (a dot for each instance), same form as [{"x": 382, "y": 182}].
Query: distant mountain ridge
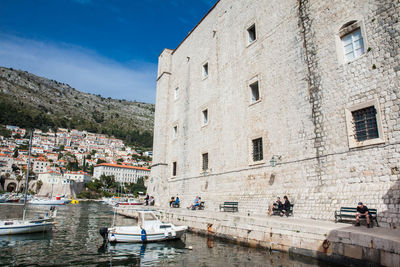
[{"x": 27, "y": 100}]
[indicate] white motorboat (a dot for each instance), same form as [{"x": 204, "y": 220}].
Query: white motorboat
[
  {"x": 14, "y": 227},
  {"x": 51, "y": 202},
  {"x": 129, "y": 202},
  {"x": 149, "y": 229}
]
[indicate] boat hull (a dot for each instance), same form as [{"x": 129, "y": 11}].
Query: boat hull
[
  {"x": 25, "y": 228},
  {"x": 47, "y": 202},
  {"x": 124, "y": 237}
]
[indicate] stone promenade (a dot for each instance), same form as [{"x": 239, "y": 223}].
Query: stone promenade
[
  {"x": 326, "y": 240},
  {"x": 335, "y": 242}
]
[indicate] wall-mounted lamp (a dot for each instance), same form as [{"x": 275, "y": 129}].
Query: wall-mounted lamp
[{"x": 274, "y": 160}]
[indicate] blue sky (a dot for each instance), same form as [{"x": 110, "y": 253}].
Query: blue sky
[{"x": 97, "y": 46}]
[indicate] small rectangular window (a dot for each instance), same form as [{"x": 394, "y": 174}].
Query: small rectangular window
[
  {"x": 205, "y": 116},
  {"x": 176, "y": 93},
  {"x": 175, "y": 131},
  {"x": 205, "y": 161},
  {"x": 252, "y": 33},
  {"x": 255, "y": 92},
  {"x": 174, "y": 168},
  {"x": 353, "y": 45},
  {"x": 205, "y": 70},
  {"x": 257, "y": 149},
  {"x": 365, "y": 125}
]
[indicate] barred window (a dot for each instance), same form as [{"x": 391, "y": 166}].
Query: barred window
[
  {"x": 365, "y": 124},
  {"x": 174, "y": 168},
  {"x": 257, "y": 149},
  {"x": 205, "y": 161}
]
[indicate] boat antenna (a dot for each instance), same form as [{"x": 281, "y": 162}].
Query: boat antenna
[{"x": 27, "y": 175}]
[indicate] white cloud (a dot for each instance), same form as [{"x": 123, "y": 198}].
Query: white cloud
[{"x": 81, "y": 68}]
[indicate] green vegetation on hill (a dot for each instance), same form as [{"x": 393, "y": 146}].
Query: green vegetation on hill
[{"x": 28, "y": 101}]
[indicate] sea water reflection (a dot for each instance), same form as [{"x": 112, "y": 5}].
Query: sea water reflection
[{"x": 75, "y": 241}]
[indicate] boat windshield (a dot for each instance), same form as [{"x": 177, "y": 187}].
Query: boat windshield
[{"x": 149, "y": 217}]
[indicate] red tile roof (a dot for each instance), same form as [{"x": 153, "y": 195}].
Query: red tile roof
[{"x": 122, "y": 166}]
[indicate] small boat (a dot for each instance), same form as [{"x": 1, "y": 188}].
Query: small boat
[
  {"x": 149, "y": 229},
  {"x": 129, "y": 202},
  {"x": 13, "y": 227},
  {"x": 51, "y": 202}
]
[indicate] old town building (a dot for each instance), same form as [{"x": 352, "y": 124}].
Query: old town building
[{"x": 298, "y": 98}]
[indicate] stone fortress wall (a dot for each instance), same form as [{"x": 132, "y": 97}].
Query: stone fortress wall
[{"x": 307, "y": 93}]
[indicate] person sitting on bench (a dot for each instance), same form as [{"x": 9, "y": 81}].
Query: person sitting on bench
[
  {"x": 151, "y": 201},
  {"x": 176, "y": 202},
  {"x": 286, "y": 206},
  {"x": 276, "y": 205},
  {"x": 172, "y": 200},
  {"x": 362, "y": 212},
  {"x": 196, "y": 203}
]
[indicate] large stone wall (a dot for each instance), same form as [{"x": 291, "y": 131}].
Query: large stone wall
[{"x": 305, "y": 90}]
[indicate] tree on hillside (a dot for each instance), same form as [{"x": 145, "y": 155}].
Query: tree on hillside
[
  {"x": 100, "y": 161},
  {"x": 4, "y": 132},
  {"x": 107, "y": 180},
  {"x": 38, "y": 185},
  {"x": 15, "y": 155}
]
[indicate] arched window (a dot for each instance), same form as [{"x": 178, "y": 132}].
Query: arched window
[{"x": 352, "y": 40}]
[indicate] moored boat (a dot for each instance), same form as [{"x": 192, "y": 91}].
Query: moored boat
[
  {"x": 13, "y": 227},
  {"x": 129, "y": 202},
  {"x": 149, "y": 229},
  {"x": 51, "y": 202}
]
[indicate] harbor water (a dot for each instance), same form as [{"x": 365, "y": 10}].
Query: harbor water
[{"x": 75, "y": 241}]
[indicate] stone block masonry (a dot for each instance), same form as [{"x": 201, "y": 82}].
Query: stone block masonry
[
  {"x": 334, "y": 242},
  {"x": 316, "y": 63}
]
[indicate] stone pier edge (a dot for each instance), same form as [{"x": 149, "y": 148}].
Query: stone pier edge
[{"x": 323, "y": 240}]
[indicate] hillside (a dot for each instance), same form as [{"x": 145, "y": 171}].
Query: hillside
[{"x": 28, "y": 100}]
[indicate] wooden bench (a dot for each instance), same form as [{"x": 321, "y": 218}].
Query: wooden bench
[
  {"x": 229, "y": 206},
  {"x": 201, "y": 206},
  {"x": 349, "y": 213},
  {"x": 276, "y": 211}
]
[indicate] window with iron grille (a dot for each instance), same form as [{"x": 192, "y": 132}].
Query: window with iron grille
[
  {"x": 174, "y": 168},
  {"x": 257, "y": 149},
  {"x": 365, "y": 125},
  {"x": 205, "y": 162}
]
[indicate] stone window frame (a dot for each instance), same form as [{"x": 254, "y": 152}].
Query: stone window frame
[
  {"x": 202, "y": 122},
  {"x": 175, "y": 133},
  {"x": 250, "y": 149},
  {"x": 204, "y": 74},
  {"x": 174, "y": 166},
  {"x": 250, "y": 24},
  {"x": 202, "y": 161},
  {"x": 251, "y": 81},
  {"x": 344, "y": 30},
  {"x": 353, "y": 143}
]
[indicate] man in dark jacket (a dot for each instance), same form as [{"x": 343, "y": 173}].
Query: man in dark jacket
[
  {"x": 286, "y": 206},
  {"x": 362, "y": 212}
]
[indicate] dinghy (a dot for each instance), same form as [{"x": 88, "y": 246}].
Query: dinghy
[{"x": 149, "y": 229}]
